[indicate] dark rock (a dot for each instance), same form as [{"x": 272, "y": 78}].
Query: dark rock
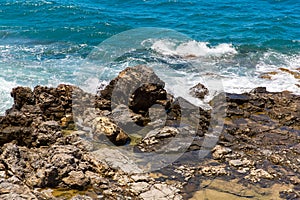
[
  {"x": 47, "y": 133},
  {"x": 199, "y": 91},
  {"x": 130, "y": 78},
  {"x": 259, "y": 90},
  {"x": 259, "y": 142},
  {"x": 54, "y": 102},
  {"x": 259, "y": 125},
  {"x": 146, "y": 96},
  {"x": 22, "y": 95},
  {"x": 237, "y": 98},
  {"x": 137, "y": 87}
]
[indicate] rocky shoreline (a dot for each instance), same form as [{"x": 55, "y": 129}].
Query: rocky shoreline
[{"x": 63, "y": 143}]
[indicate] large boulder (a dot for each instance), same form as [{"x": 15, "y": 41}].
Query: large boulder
[{"x": 136, "y": 87}]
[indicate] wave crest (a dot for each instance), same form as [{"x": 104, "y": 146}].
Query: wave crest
[{"x": 191, "y": 48}]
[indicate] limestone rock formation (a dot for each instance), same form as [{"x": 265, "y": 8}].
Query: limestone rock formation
[{"x": 45, "y": 155}]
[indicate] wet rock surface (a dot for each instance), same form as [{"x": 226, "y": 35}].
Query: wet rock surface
[
  {"x": 257, "y": 147},
  {"x": 199, "y": 91},
  {"x": 48, "y": 151}
]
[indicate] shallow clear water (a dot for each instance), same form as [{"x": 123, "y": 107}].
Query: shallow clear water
[{"x": 48, "y": 42}]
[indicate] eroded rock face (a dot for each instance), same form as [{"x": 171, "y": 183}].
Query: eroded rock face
[
  {"x": 259, "y": 143},
  {"x": 131, "y": 76},
  {"x": 36, "y": 150},
  {"x": 61, "y": 165},
  {"x": 55, "y": 103},
  {"x": 32, "y": 112},
  {"x": 36, "y": 154},
  {"x": 136, "y": 87},
  {"x": 22, "y": 95},
  {"x": 14, "y": 188}
]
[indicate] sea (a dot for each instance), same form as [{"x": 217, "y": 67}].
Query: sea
[{"x": 241, "y": 44}]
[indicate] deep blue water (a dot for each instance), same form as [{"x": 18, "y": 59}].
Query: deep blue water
[
  {"x": 44, "y": 42},
  {"x": 264, "y": 23}
]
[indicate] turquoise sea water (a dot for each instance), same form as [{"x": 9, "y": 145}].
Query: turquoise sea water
[{"x": 45, "y": 42}]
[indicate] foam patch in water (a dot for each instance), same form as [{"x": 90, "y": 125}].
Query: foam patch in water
[
  {"x": 6, "y": 100},
  {"x": 192, "y": 48}
]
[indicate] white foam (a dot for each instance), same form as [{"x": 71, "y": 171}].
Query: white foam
[
  {"x": 230, "y": 80},
  {"x": 21, "y": 65},
  {"x": 191, "y": 48},
  {"x": 93, "y": 85},
  {"x": 178, "y": 83},
  {"x": 245, "y": 84},
  {"x": 6, "y": 100},
  {"x": 269, "y": 62},
  {"x": 272, "y": 62}
]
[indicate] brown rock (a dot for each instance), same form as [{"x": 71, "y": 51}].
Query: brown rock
[
  {"x": 199, "y": 91},
  {"x": 219, "y": 152},
  {"x": 76, "y": 180},
  {"x": 22, "y": 95},
  {"x": 295, "y": 74},
  {"x": 137, "y": 87},
  {"x": 104, "y": 126},
  {"x": 268, "y": 75}
]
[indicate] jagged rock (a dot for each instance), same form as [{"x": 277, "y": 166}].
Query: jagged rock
[
  {"x": 259, "y": 142},
  {"x": 127, "y": 120},
  {"x": 130, "y": 78},
  {"x": 136, "y": 87},
  {"x": 219, "y": 152},
  {"x": 47, "y": 133},
  {"x": 55, "y": 103},
  {"x": 256, "y": 175},
  {"x": 22, "y": 95},
  {"x": 104, "y": 126},
  {"x": 76, "y": 180},
  {"x": 132, "y": 95},
  {"x": 146, "y": 96},
  {"x": 24, "y": 122},
  {"x": 214, "y": 171},
  {"x": 199, "y": 91},
  {"x": 97, "y": 180},
  {"x": 13, "y": 188}
]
